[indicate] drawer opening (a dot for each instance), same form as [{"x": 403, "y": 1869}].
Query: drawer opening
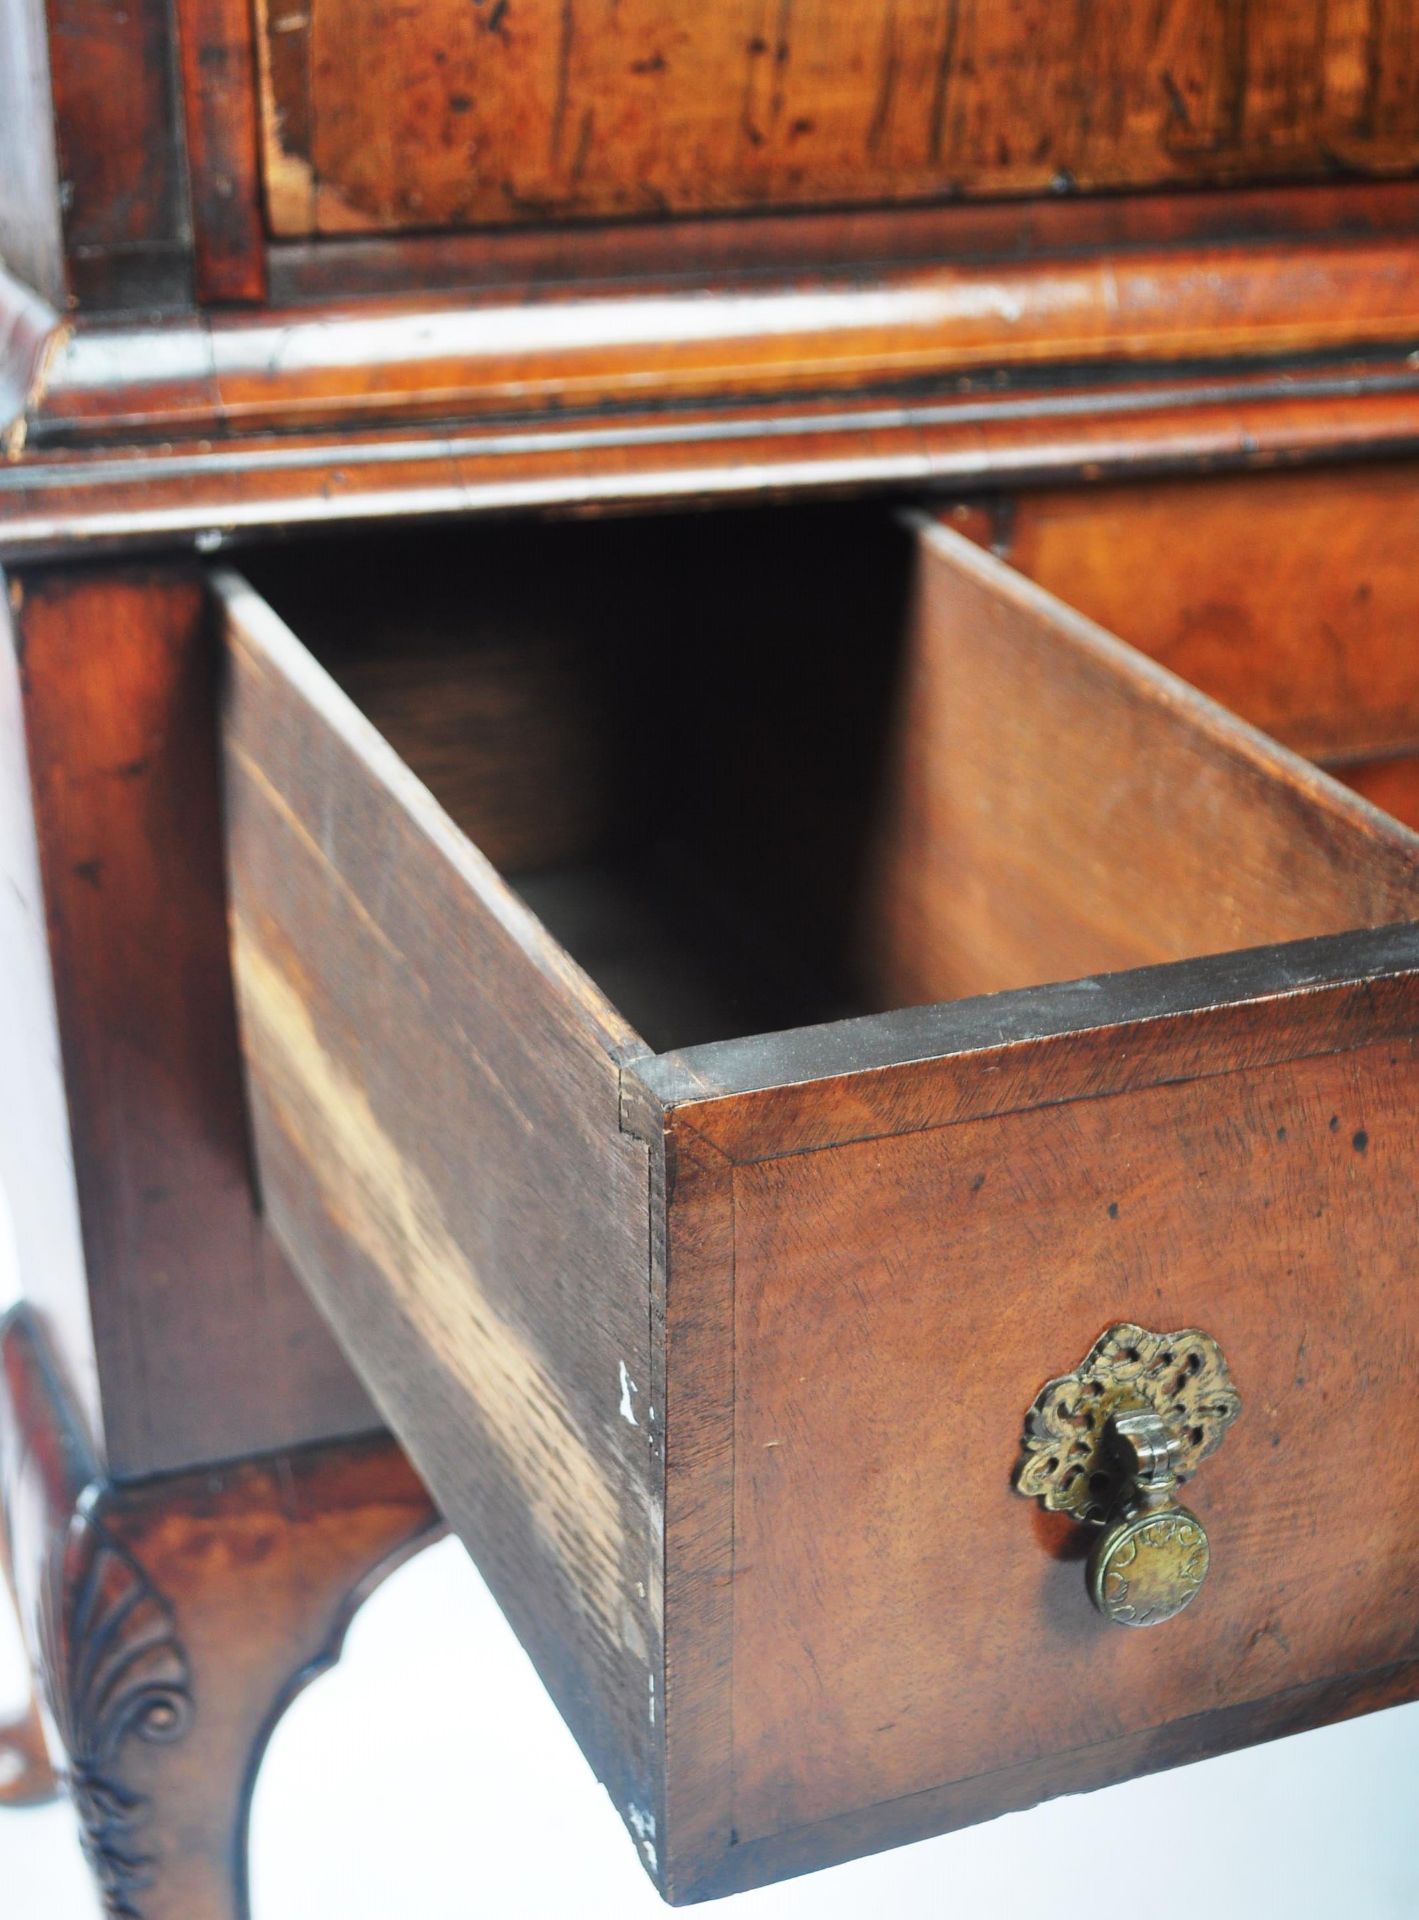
[{"x": 761, "y": 770}]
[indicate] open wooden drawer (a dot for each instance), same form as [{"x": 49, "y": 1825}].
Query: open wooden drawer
[{"x": 717, "y": 1349}]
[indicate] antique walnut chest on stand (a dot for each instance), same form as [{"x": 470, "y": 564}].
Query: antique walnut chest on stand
[{"x": 710, "y": 739}]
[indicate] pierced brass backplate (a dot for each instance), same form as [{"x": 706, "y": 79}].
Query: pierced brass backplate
[{"x": 1109, "y": 1443}]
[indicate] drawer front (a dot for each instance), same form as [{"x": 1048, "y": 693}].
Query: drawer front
[
  {"x": 894, "y": 1277},
  {"x": 447, "y": 114},
  {"x": 718, "y": 1357},
  {"x": 896, "y": 1254}
]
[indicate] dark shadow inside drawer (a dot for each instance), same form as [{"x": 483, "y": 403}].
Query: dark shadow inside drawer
[{"x": 760, "y": 770}]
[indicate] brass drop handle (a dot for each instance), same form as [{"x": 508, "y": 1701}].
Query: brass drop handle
[{"x": 1111, "y": 1442}]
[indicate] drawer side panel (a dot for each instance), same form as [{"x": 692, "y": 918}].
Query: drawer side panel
[{"x": 435, "y": 1097}]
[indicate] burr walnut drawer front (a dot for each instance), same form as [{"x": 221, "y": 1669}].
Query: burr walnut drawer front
[
  {"x": 498, "y": 114},
  {"x": 647, "y": 940}
]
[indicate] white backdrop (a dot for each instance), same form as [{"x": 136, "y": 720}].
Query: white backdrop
[{"x": 428, "y": 1778}]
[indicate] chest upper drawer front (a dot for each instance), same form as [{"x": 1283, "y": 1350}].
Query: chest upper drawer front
[{"x": 448, "y": 113}]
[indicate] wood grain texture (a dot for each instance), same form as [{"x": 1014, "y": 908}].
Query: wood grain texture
[
  {"x": 810, "y": 240},
  {"x": 964, "y": 1803},
  {"x": 435, "y": 1094},
  {"x": 695, "y": 1253},
  {"x": 1213, "y": 1153},
  {"x": 123, "y": 183},
  {"x": 264, "y": 1563},
  {"x": 1054, "y": 805},
  {"x": 836, "y": 331},
  {"x": 576, "y": 108},
  {"x": 206, "y": 1347},
  {"x": 1291, "y": 598},
  {"x": 117, "y": 497},
  {"x": 1236, "y": 1207},
  {"x": 218, "y": 54}
]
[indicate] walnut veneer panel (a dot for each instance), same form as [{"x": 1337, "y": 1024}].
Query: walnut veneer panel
[
  {"x": 443, "y": 113},
  {"x": 963, "y": 1267},
  {"x": 1292, "y": 598}
]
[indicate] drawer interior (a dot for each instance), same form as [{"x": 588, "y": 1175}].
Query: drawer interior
[
  {"x": 762, "y": 770},
  {"x": 639, "y": 723}
]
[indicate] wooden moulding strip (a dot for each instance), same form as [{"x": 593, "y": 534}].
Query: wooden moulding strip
[
  {"x": 734, "y": 337},
  {"x": 205, "y": 492}
]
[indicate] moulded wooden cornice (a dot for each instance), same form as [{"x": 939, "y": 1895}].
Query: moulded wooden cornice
[
  {"x": 203, "y": 493},
  {"x": 734, "y": 339},
  {"x": 913, "y": 375}
]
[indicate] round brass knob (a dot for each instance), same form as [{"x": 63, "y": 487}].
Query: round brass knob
[{"x": 1148, "y": 1567}]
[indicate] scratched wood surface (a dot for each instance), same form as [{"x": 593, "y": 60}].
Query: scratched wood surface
[
  {"x": 435, "y": 1098},
  {"x": 506, "y": 111}
]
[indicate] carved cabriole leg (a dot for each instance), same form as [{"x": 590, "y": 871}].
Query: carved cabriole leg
[
  {"x": 172, "y": 1621},
  {"x": 230, "y": 1590}
]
